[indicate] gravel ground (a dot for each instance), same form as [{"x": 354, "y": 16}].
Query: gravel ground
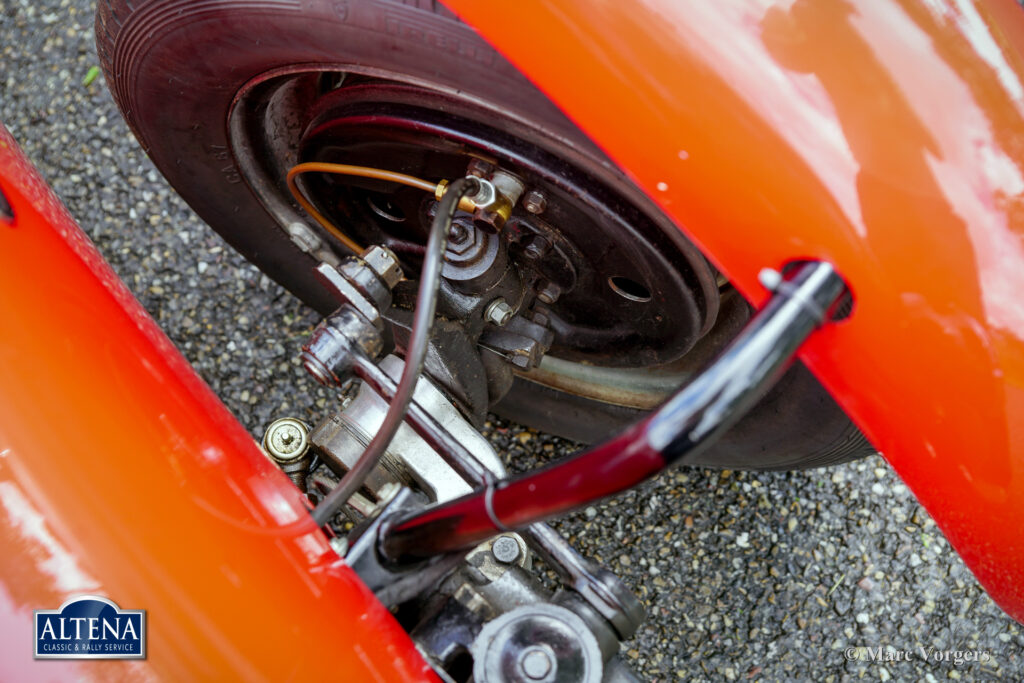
[{"x": 745, "y": 576}]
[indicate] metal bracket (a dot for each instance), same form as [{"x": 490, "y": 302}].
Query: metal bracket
[
  {"x": 391, "y": 584},
  {"x": 602, "y": 589}
]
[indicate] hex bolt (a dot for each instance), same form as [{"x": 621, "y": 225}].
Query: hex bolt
[
  {"x": 535, "y": 663},
  {"x": 286, "y": 439},
  {"x": 498, "y": 312},
  {"x": 535, "y": 247},
  {"x": 505, "y": 549},
  {"x": 548, "y": 292},
  {"x": 535, "y": 202},
  {"x": 384, "y": 263},
  {"x": 479, "y": 168}
]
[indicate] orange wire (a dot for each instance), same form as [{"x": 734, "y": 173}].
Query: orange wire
[{"x": 345, "y": 169}]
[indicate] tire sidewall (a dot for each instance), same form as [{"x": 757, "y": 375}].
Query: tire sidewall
[{"x": 176, "y": 66}]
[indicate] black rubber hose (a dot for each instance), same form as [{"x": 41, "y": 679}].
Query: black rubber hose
[{"x": 423, "y": 319}]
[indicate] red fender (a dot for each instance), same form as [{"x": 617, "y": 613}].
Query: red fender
[
  {"x": 122, "y": 475},
  {"x": 884, "y": 136}
]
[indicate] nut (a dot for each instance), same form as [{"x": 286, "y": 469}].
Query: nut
[
  {"x": 548, "y": 292},
  {"x": 479, "y": 168},
  {"x": 498, "y": 312},
  {"x": 384, "y": 263},
  {"x": 535, "y": 247},
  {"x": 472, "y": 240},
  {"x": 486, "y": 195},
  {"x": 535, "y": 202}
]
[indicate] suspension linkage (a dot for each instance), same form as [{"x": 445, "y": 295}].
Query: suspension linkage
[{"x": 803, "y": 299}]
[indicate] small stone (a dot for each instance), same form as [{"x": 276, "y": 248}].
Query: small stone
[
  {"x": 863, "y": 618},
  {"x": 743, "y": 540}
]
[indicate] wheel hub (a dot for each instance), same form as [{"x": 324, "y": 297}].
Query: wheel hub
[{"x": 615, "y": 289}]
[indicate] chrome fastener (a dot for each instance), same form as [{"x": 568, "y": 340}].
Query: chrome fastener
[{"x": 498, "y": 312}]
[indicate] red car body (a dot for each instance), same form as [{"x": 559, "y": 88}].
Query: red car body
[
  {"x": 122, "y": 474},
  {"x": 884, "y": 137}
]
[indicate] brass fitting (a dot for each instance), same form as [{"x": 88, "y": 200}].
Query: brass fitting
[
  {"x": 465, "y": 204},
  {"x": 492, "y": 204}
]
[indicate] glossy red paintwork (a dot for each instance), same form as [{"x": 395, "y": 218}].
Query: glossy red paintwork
[
  {"x": 121, "y": 474},
  {"x": 886, "y": 136}
]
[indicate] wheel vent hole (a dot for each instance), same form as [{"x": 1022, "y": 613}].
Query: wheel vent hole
[
  {"x": 385, "y": 209},
  {"x": 629, "y": 289}
]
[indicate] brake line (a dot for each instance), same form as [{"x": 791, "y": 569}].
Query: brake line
[
  {"x": 437, "y": 189},
  {"x": 419, "y": 340}
]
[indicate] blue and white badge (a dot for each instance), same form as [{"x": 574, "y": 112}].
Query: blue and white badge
[{"x": 90, "y": 627}]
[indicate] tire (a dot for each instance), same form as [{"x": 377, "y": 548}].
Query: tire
[{"x": 176, "y": 66}]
